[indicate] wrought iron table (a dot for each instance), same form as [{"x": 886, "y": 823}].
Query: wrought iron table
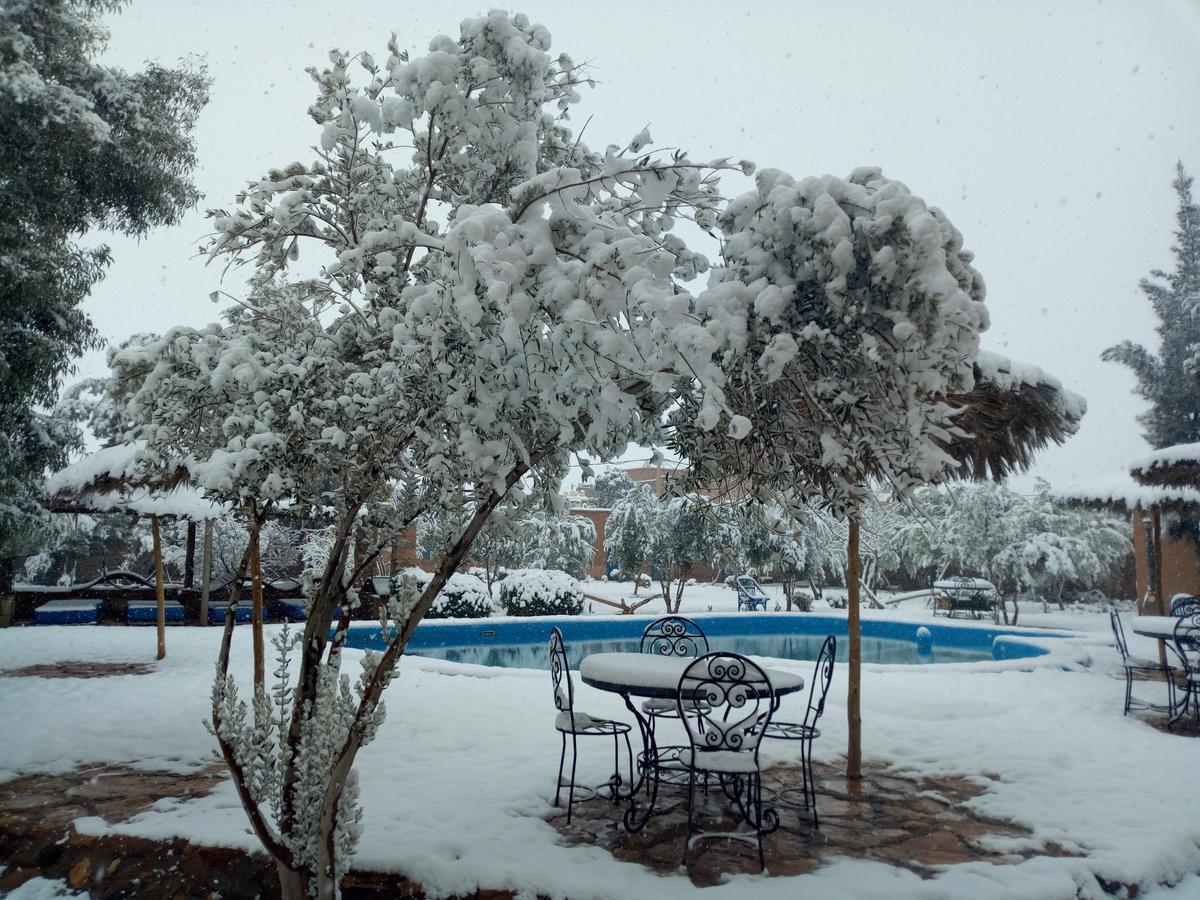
[{"x": 644, "y": 675}]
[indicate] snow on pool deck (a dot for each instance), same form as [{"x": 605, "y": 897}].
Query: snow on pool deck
[{"x": 457, "y": 784}]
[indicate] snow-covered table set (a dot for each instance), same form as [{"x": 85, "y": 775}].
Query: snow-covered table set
[{"x": 658, "y": 677}]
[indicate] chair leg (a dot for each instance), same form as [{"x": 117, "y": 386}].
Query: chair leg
[
  {"x": 691, "y": 805},
  {"x": 810, "y": 783},
  {"x": 571, "y": 789},
  {"x": 562, "y": 758},
  {"x": 1128, "y": 689},
  {"x": 629, "y": 758},
  {"x": 756, "y": 786}
]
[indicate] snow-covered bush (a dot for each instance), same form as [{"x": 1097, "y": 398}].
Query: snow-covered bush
[
  {"x": 540, "y": 592},
  {"x": 463, "y": 597}
]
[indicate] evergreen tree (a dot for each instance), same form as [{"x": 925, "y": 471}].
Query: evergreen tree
[
  {"x": 1168, "y": 380},
  {"x": 83, "y": 146},
  {"x": 610, "y": 486}
]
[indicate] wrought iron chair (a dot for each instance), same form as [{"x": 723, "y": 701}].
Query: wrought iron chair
[
  {"x": 576, "y": 724},
  {"x": 670, "y": 636},
  {"x": 806, "y": 731},
  {"x": 1184, "y": 605},
  {"x": 724, "y": 736},
  {"x": 1135, "y": 664},
  {"x": 1187, "y": 646}
]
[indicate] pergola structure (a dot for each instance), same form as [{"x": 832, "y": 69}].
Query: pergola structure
[{"x": 109, "y": 480}]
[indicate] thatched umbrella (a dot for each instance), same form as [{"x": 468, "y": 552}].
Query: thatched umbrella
[
  {"x": 1177, "y": 466},
  {"x": 109, "y": 481},
  {"x": 1135, "y": 493},
  {"x": 1014, "y": 410}
]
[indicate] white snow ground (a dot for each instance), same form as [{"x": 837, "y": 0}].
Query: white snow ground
[{"x": 456, "y": 786}]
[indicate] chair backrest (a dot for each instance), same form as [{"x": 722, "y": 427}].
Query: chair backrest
[
  {"x": 674, "y": 636},
  {"x": 1184, "y": 605},
  {"x": 1187, "y": 640},
  {"x": 822, "y": 676},
  {"x": 1119, "y": 633},
  {"x": 725, "y": 702},
  {"x": 560, "y": 674}
]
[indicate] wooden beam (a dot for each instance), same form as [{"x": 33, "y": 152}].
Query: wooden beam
[
  {"x": 206, "y": 570},
  {"x": 159, "y": 589},
  {"x": 854, "y": 633}
]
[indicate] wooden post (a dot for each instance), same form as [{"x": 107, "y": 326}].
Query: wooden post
[
  {"x": 189, "y": 556},
  {"x": 159, "y": 588},
  {"x": 854, "y": 670},
  {"x": 1154, "y": 575},
  {"x": 256, "y": 622},
  {"x": 206, "y": 570}
]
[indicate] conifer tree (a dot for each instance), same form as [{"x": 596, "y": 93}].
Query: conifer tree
[{"x": 1168, "y": 379}]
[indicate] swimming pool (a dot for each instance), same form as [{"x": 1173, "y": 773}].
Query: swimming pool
[{"x": 521, "y": 643}]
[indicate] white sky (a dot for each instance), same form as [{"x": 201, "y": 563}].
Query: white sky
[{"x": 1048, "y": 133}]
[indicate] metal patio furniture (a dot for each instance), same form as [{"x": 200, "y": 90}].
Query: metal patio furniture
[
  {"x": 806, "y": 730},
  {"x": 670, "y": 636},
  {"x": 1136, "y": 664},
  {"x": 724, "y": 737},
  {"x": 576, "y": 724},
  {"x": 1184, "y": 605},
  {"x": 1187, "y": 646},
  {"x": 750, "y": 595}
]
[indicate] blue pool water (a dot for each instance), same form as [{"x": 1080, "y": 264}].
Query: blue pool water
[{"x": 522, "y": 643}]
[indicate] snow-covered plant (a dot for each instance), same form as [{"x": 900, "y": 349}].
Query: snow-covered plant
[
  {"x": 556, "y": 540},
  {"x": 764, "y": 541},
  {"x": 683, "y": 535},
  {"x": 540, "y": 592},
  {"x": 610, "y": 486},
  {"x": 464, "y": 596},
  {"x": 844, "y": 312},
  {"x": 628, "y": 530},
  {"x": 503, "y": 299}
]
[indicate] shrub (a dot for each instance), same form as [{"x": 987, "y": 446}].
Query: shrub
[
  {"x": 463, "y": 597},
  {"x": 540, "y": 592}
]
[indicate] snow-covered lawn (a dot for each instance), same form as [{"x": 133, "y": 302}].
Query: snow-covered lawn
[{"x": 457, "y": 787}]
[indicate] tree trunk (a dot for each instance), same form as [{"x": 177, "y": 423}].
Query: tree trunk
[
  {"x": 256, "y": 607},
  {"x": 293, "y": 883},
  {"x": 854, "y": 632},
  {"x": 160, "y": 597},
  {"x": 206, "y": 570},
  {"x": 189, "y": 556}
]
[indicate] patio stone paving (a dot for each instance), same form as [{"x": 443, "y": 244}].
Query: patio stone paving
[{"x": 918, "y": 823}]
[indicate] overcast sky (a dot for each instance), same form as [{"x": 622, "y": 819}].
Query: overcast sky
[{"x": 1047, "y": 132}]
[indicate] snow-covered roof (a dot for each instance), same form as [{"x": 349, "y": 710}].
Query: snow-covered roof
[
  {"x": 1177, "y": 466},
  {"x": 1006, "y": 374},
  {"x": 108, "y": 481},
  {"x": 183, "y": 502},
  {"x": 108, "y": 464},
  {"x": 1120, "y": 491}
]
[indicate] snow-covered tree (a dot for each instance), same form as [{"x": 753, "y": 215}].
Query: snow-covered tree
[
  {"x": 683, "y": 535},
  {"x": 610, "y": 486},
  {"x": 84, "y": 146},
  {"x": 1169, "y": 380},
  {"x": 504, "y": 300},
  {"x": 628, "y": 532},
  {"x": 559, "y": 541},
  {"x": 761, "y": 540}
]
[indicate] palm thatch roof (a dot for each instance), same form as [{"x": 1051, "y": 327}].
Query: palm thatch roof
[
  {"x": 1013, "y": 411},
  {"x": 1177, "y": 466},
  {"x": 113, "y": 480},
  {"x": 1120, "y": 493}
]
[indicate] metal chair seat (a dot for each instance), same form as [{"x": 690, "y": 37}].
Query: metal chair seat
[
  {"x": 581, "y": 723},
  {"x": 791, "y": 731}
]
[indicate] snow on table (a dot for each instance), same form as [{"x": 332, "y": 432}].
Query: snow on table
[
  {"x": 1162, "y": 627},
  {"x": 644, "y": 675}
]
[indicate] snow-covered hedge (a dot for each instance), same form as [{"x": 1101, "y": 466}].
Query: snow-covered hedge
[
  {"x": 463, "y": 597},
  {"x": 540, "y": 592}
]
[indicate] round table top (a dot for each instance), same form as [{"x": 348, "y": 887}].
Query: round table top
[
  {"x": 647, "y": 675},
  {"x": 1154, "y": 626}
]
